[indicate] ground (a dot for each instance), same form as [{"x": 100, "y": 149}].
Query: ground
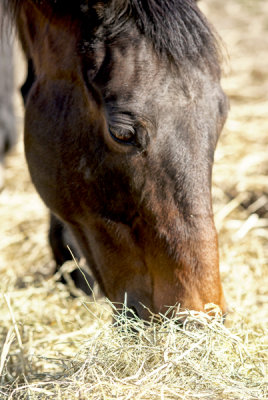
[{"x": 54, "y": 346}]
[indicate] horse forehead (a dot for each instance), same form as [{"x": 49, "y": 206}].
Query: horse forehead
[
  {"x": 141, "y": 81},
  {"x": 132, "y": 67}
]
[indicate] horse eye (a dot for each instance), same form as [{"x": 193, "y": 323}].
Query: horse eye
[{"x": 123, "y": 135}]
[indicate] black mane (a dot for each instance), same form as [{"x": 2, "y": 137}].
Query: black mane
[{"x": 177, "y": 28}]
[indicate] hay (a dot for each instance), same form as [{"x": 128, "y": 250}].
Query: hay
[
  {"x": 54, "y": 346},
  {"x": 91, "y": 358}
]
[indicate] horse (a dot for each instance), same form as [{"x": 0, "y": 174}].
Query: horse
[{"x": 123, "y": 111}]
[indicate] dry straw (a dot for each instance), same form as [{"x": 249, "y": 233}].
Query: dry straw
[
  {"x": 74, "y": 351},
  {"x": 56, "y": 347}
]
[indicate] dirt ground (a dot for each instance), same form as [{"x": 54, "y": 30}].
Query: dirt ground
[{"x": 240, "y": 190}]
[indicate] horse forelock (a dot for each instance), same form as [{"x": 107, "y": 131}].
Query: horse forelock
[{"x": 176, "y": 28}]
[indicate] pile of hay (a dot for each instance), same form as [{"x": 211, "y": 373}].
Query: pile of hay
[
  {"x": 71, "y": 350},
  {"x": 56, "y": 347}
]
